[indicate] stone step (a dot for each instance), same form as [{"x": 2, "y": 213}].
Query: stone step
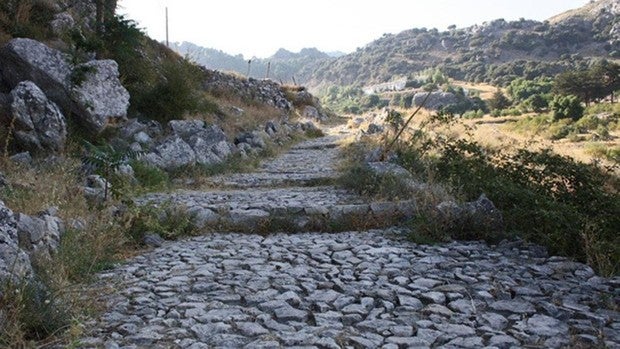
[{"x": 293, "y": 209}]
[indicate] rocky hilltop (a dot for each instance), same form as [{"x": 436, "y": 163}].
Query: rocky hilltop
[
  {"x": 283, "y": 66},
  {"x": 495, "y": 51}
]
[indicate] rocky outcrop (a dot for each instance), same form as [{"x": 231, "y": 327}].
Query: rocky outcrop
[
  {"x": 38, "y": 123},
  {"x": 14, "y": 262},
  {"x": 91, "y": 91},
  {"x": 40, "y": 235},
  {"x": 62, "y": 23},
  {"x": 190, "y": 142},
  {"x": 263, "y": 91},
  {"x": 100, "y": 98},
  {"x": 436, "y": 100},
  {"x": 173, "y": 153},
  {"x": 479, "y": 215}
]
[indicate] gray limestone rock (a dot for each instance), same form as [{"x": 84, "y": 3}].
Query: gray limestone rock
[
  {"x": 100, "y": 99},
  {"x": 153, "y": 240},
  {"x": 14, "y": 262},
  {"x": 40, "y": 235},
  {"x": 90, "y": 91},
  {"x": 436, "y": 100},
  {"x": 62, "y": 23},
  {"x": 39, "y": 124},
  {"x": 171, "y": 154}
]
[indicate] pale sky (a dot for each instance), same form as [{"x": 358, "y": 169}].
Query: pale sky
[{"x": 260, "y": 28}]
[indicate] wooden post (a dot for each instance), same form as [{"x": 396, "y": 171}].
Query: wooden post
[
  {"x": 249, "y": 66},
  {"x": 294, "y": 82},
  {"x": 268, "y": 69},
  {"x": 167, "y": 42}
]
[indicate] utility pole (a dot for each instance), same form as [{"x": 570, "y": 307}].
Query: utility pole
[
  {"x": 268, "y": 69},
  {"x": 249, "y": 66},
  {"x": 167, "y": 42}
]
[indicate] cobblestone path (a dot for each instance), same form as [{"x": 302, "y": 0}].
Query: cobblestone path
[{"x": 363, "y": 289}]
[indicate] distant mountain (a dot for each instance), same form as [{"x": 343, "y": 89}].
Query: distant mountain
[
  {"x": 495, "y": 52},
  {"x": 283, "y": 66},
  {"x": 336, "y": 54}
]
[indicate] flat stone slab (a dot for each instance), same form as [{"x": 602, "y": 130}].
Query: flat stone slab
[{"x": 353, "y": 288}]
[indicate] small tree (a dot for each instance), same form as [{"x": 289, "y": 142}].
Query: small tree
[
  {"x": 498, "y": 101},
  {"x": 105, "y": 161},
  {"x": 536, "y": 103},
  {"x": 566, "y": 107}
]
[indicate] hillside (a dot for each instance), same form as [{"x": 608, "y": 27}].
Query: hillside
[
  {"x": 283, "y": 65},
  {"x": 495, "y": 52}
]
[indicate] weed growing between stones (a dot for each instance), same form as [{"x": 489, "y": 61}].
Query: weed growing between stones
[
  {"x": 314, "y": 133},
  {"x": 167, "y": 220}
]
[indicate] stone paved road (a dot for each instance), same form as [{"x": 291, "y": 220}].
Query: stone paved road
[
  {"x": 367, "y": 289},
  {"x": 359, "y": 289}
]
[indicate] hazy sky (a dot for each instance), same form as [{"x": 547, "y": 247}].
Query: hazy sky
[{"x": 259, "y": 28}]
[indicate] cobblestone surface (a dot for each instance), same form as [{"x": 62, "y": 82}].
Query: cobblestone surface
[
  {"x": 366, "y": 289},
  {"x": 358, "y": 289},
  {"x": 306, "y": 163}
]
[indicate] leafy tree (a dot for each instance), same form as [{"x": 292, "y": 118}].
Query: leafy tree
[
  {"x": 609, "y": 76},
  {"x": 521, "y": 89},
  {"x": 498, "y": 101},
  {"x": 536, "y": 103},
  {"x": 566, "y": 107},
  {"x": 594, "y": 83}
]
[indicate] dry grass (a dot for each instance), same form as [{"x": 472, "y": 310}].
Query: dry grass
[
  {"x": 486, "y": 91},
  {"x": 80, "y": 254},
  {"x": 499, "y": 132},
  {"x": 34, "y": 189},
  {"x": 253, "y": 115}
]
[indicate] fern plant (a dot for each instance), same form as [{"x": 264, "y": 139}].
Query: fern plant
[{"x": 105, "y": 161}]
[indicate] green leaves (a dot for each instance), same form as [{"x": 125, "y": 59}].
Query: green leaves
[{"x": 105, "y": 160}]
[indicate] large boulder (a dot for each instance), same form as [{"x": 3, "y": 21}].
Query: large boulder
[
  {"x": 100, "y": 98},
  {"x": 27, "y": 59},
  {"x": 14, "y": 262},
  {"x": 480, "y": 216},
  {"x": 436, "y": 100},
  {"x": 40, "y": 235},
  {"x": 91, "y": 91},
  {"x": 172, "y": 154},
  {"x": 38, "y": 123},
  {"x": 208, "y": 143}
]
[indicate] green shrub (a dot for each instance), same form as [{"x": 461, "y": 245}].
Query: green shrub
[
  {"x": 314, "y": 133},
  {"x": 33, "y": 311},
  {"x": 545, "y": 198},
  {"x": 363, "y": 181},
  {"x": 149, "y": 177},
  {"x": 566, "y": 107},
  {"x": 177, "y": 93},
  {"x": 167, "y": 220},
  {"x": 498, "y": 101}
]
